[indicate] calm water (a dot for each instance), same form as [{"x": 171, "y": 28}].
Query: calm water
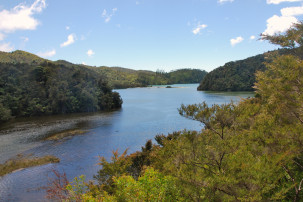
[{"x": 146, "y": 112}]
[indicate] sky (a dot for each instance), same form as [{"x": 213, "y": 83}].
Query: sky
[{"x": 145, "y": 34}]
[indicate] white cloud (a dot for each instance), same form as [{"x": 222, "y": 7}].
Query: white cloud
[
  {"x": 70, "y": 40},
  {"x": 83, "y": 63},
  {"x": 47, "y": 53},
  {"x": 252, "y": 37},
  {"x": 198, "y": 29},
  {"x": 107, "y": 17},
  {"x": 237, "y": 40},
  {"x": 90, "y": 53},
  {"x": 6, "y": 47},
  {"x": 67, "y": 27},
  {"x": 278, "y": 24},
  {"x": 292, "y": 11},
  {"x": 280, "y": 1},
  {"x": 223, "y": 1},
  {"x": 21, "y": 17}
]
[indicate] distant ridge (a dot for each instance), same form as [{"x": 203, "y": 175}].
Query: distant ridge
[
  {"x": 116, "y": 77},
  {"x": 19, "y": 56}
]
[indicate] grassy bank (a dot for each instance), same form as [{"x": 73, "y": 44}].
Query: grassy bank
[{"x": 21, "y": 162}]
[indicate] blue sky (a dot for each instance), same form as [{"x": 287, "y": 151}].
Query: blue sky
[{"x": 145, "y": 34}]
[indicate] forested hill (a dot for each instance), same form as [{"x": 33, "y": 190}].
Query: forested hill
[
  {"x": 237, "y": 75},
  {"x": 127, "y": 78},
  {"x": 31, "y": 86}
]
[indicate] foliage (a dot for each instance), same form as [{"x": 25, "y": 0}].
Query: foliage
[
  {"x": 186, "y": 76},
  {"x": 237, "y": 75},
  {"x": 126, "y": 78},
  {"x": 151, "y": 186},
  {"x": 49, "y": 88},
  {"x": 122, "y": 164},
  {"x": 116, "y": 168},
  {"x": 5, "y": 113}
]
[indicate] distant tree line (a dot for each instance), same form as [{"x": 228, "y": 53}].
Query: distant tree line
[{"x": 126, "y": 78}]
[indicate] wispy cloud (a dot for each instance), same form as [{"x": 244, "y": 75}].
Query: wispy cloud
[
  {"x": 6, "y": 47},
  {"x": 47, "y": 54},
  {"x": 224, "y": 1},
  {"x": 235, "y": 41},
  {"x": 90, "y": 53},
  {"x": 21, "y": 17},
  {"x": 67, "y": 28},
  {"x": 198, "y": 28},
  {"x": 252, "y": 37},
  {"x": 108, "y": 16},
  {"x": 280, "y": 1},
  {"x": 70, "y": 40}
]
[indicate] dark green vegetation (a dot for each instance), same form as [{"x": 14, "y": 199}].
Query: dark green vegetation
[
  {"x": 30, "y": 89},
  {"x": 127, "y": 78},
  {"x": 21, "y": 162},
  {"x": 252, "y": 151},
  {"x": 238, "y": 75}
]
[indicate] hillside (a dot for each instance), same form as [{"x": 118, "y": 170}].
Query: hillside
[
  {"x": 19, "y": 56},
  {"x": 237, "y": 75},
  {"x": 29, "y": 89}
]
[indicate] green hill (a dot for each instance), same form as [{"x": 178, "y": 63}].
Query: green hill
[{"x": 238, "y": 75}]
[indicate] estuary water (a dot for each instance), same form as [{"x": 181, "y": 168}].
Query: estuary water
[{"x": 146, "y": 112}]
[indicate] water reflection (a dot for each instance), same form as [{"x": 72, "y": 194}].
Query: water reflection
[{"x": 146, "y": 112}]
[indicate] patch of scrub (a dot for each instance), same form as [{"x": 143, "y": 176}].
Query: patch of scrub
[
  {"x": 64, "y": 134},
  {"x": 20, "y": 162}
]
